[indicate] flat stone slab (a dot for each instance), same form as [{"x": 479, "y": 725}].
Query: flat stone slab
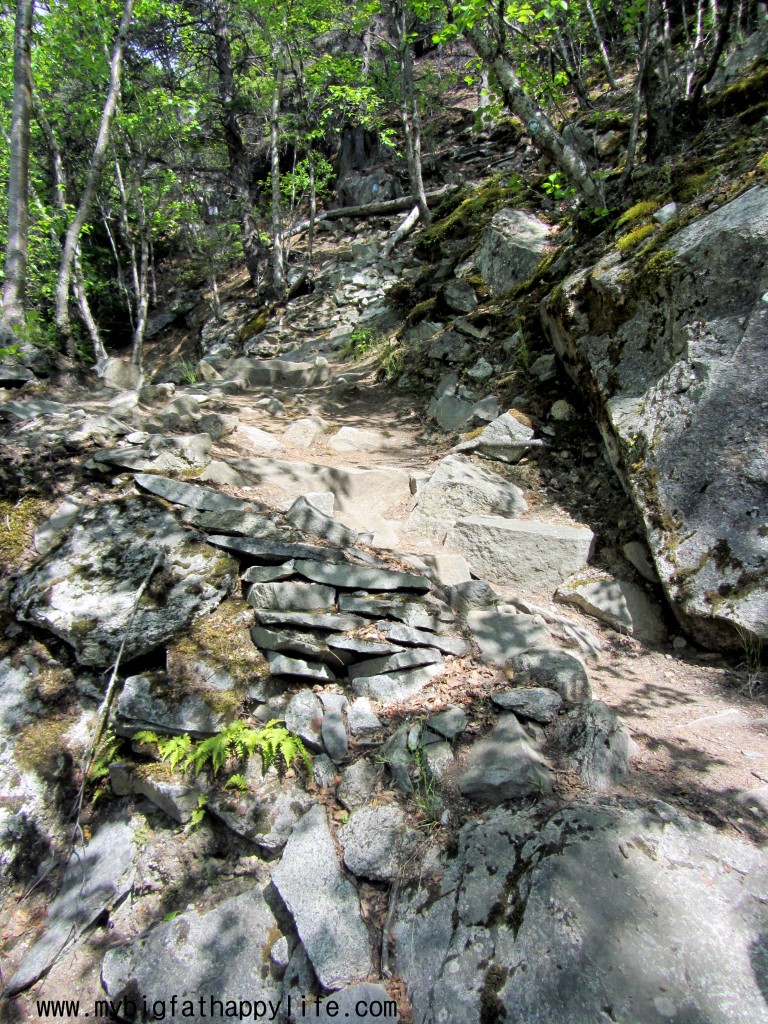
[
  {"x": 536, "y": 702},
  {"x": 501, "y": 635},
  {"x": 378, "y": 490},
  {"x": 312, "y": 522},
  {"x": 362, "y": 722},
  {"x": 355, "y": 439},
  {"x": 420, "y": 615},
  {"x": 327, "y": 911},
  {"x": 362, "y": 646},
  {"x": 289, "y": 641},
  {"x": 622, "y": 605},
  {"x": 161, "y": 453},
  {"x": 189, "y": 495},
  {"x": 333, "y": 622},
  {"x": 394, "y": 662},
  {"x": 281, "y": 665},
  {"x": 522, "y": 553},
  {"x": 358, "y": 784},
  {"x": 293, "y": 597},
  {"x": 505, "y": 765},
  {"x": 555, "y": 669},
  {"x": 200, "y": 958},
  {"x": 272, "y": 551},
  {"x": 392, "y": 687},
  {"x": 95, "y": 879},
  {"x": 377, "y": 842},
  {"x": 153, "y": 702},
  {"x": 85, "y": 589},
  {"x": 269, "y": 573},
  {"x": 411, "y": 637},
  {"x": 267, "y": 813},
  {"x": 357, "y": 577}
]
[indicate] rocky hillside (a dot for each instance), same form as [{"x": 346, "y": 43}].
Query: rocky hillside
[{"x": 395, "y": 652}]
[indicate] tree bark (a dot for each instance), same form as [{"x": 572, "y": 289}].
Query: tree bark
[
  {"x": 278, "y": 268},
  {"x": 600, "y": 44},
  {"x": 543, "y": 134},
  {"x": 373, "y": 209},
  {"x": 18, "y": 173},
  {"x": 409, "y": 109},
  {"x": 95, "y": 169}
]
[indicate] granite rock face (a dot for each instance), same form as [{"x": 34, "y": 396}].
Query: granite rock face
[
  {"x": 673, "y": 366},
  {"x": 85, "y": 589},
  {"x": 547, "y": 916},
  {"x": 512, "y": 247}
]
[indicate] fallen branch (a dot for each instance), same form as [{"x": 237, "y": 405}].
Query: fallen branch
[
  {"x": 372, "y": 209},
  {"x": 405, "y": 228}
]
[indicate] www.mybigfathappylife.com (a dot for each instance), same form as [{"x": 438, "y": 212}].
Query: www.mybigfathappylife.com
[{"x": 207, "y": 1007}]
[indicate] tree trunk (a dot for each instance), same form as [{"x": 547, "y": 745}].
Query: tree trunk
[
  {"x": 278, "y": 268},
  {"x": 95, "y": 169},
  {"x": 246, "y": 189},
  {"x": 600, "y": 44},
  {"x": 18, "y": 172},
  {"x": 543, "y": 134},
  {"x": 409, "y": 110},
  {"x": 312, "y": 206},
  {"x": 637, "y": 103}
]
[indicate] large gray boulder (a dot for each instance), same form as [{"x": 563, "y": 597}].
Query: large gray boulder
[
  {"x": 532, "y": 555},
  {"x": 323, "y": 903},
  {"x": 206, "y": 960},
  {"x": 85, "y": 590},
  {"x": 626, "y": 912},
  {"x": 669, "y": 350},
  {"x": 512, "y": 247},
  {"x": 458, "y": 488}
]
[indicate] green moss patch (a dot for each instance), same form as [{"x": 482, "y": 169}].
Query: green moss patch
[
  {"x": 18, "y": 522},
  {"x": 639, "y": 212},
  {"x": 627, "y": 243},
  {"x": 41, "y": 743},
  {"x": 472, "y": 212}
]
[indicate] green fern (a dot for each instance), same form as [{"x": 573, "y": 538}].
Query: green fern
[
  {"x": 238, "y": 782},
  {"x": 108, "y": 751},
  {"x": 175, "y": 750},
  {"x": 198, "y": 814}
]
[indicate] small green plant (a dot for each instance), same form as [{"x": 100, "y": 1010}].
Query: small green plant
[
  {"x": 108, "y": 751},
  {"x": 556, "y": 186},
  {"x": 273, "y": 743},
  {"x": 8, "y": 351},
  {"x": 752, "y": 663},
  {"x": 238, "y": 782},
  {"x": 198, "y": 814},
  {"x": 188, "y": 371},
  {"x": 362, "y": 341},
  {"x": 425, "y": 792}
]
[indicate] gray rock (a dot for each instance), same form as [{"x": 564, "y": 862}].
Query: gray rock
[
  {"x": 294, "y": 597},
  {"x": 529, "y": 554},
  {"x": 555, "y": 669},
  {"x": 351, "y": 645},
  {"x": 305, "y": 432},
  {"x": 254, "y": 439},
  {"x": 420, "y": 615},
  {"x": 459, "y": 296},
  {"x": 450, "y": 346},
  {"x": 411, "y": 637},
  {"x": 439, "y": 760},
  {"x": 637, "y": 555},
  {"x": 96, "y": 878},
  {"x": 540, "y": 704},
  {"x": 234, "y": 521},
  {"x": 698, "y": 385},
  {"x": 280, "y": 665},
  {"x": 481, "y": 370},
  {"x": 324, "y": 771},
  {"x": 189, "y": 495},
  {"x": 666, "y": 213},
  {"x": 217, "y": 425},
  {"x": 453, "y": 413},
  {"x": 260, "y": 372},
  {"x": 358, "y": 784},
  {"x": 323, "y": 501},
  {"x": 289, "y": 641},
  {"x": 304, "y": 716},
  {"x": 501, "y": 635},
  {"x": 447, "y": 568},
  {"x": 223, "y": 474},
  {"x": 361, "y": 720},
  {"x": 355, "y": 439},
  {"x": 392, "y": 687},
  {"x": 449, "y": 723},
  {"x": 393, "y": 662},
  {"x": 505, "y": 765},
  {"x": 219, "y": 955},
  {"x": 48, "y": 535},
  {"x": 333, "y": 730},
  {"x": 512, "y": 247},
  {"x": 153, "y": 702},
  {"x": 472, "y": 595},
  {"x": 120, "y": 375},
  {"x": 327, "y": 911},
  {"x": 269, "y": 573},
  {"x": 457, "y": 488},
  {"x": 334, "y": 622},
  {"x": 377, "y": 842},
  {"x": 14, "y": 375},
  {"x": 622, "y": 605},
  {"x": 84, "y": 590},
  {"x": 396, "y": 756},
  {"x": 607, "y": 886},
  {"x": 178, "y": 800},
  {"x": 598, "y": 741},
  {"x": 161, "y": 454},
  {"x": 273, "y": 551},
  {"x": 505, "y": 439},
  {"x": 357, "y": 577},
  {"x": 267, "y": 813},
  {"x": 355, "y": 1003},
  {"x": 543, "y": 368},
  {"x": 306, "y": 517}
]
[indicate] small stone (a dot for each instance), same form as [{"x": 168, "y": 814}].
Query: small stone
[
  {"x": 449, "y": 723},
  {"x": 637, "y": 555},
  {"x": 291, "y": 597},
  {"x": 501, "y": 635},
  {"x": 280, "y": 665},
  {"x": 396, "y": 755},
  {"x": 392, "y": 687},
  {"x": 666, "y": 213},
  {"x": 333, "y": 731},
  {"x": 303, "y": 716},
  {"x": 362, "y": 722},
  {"x": 439, "y": 759},
  {"x": 482, "y": 370},
  {"x": 472, "y": 595},
  {"x": 505, "y": 766},
  {"x": 323, "y": 771},
  {"x": 622, "y": 605},
  {"x": 538, "y": 703},
  {"x": 555, "y": 669},
  {"x": 377, "y": 842},
  {"x": 358, "y": 783},
  {"x": 269, "y": 573},
  {"x": 561, "y": 411}
]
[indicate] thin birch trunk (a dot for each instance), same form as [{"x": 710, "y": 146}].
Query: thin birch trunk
[{"x": 278, "y": 265}]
